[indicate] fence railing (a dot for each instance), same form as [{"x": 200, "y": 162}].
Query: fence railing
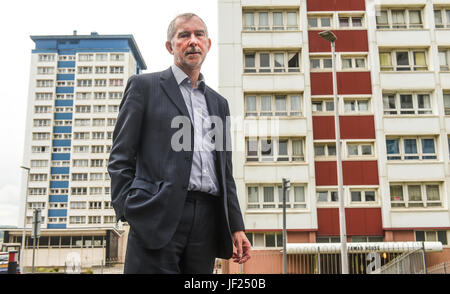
[{"x": 412, "y": 262}]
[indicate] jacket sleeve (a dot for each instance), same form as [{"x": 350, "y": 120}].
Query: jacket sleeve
[
  {"x": 234, "y": 211},
  {"x": 126, "y": 138}
]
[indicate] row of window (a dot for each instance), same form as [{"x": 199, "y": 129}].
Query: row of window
[
  {"x": 38, "y": 163},
  {"x": 43, "y": 136},
  {"x": 47, "y": 57},
  {"x": 80, "y": 83},
  {"x": 74, "y": 191},
  {"x": 409, "y": 59},
  {"x": 402, "y": 195},
  {"x": 96, "y": 122},
  {"x": 64, "y": 241},
  {"x": 42, "y": 96},
  {"x": 386, "y": 18},
  {"x": 73, "y": 205}
]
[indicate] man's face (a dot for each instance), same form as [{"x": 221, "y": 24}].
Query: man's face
[{"x": 190, "y": 44}]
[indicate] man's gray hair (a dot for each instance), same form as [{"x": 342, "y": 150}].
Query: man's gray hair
[{"x": 185, "y": 16}]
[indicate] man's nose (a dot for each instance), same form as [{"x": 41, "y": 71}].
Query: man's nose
[{"x": 193, "y": 40}]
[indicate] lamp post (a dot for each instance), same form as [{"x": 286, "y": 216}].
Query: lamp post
[
  {"x": 331, "y": 37},
  {"x": 22, "y": 248}
]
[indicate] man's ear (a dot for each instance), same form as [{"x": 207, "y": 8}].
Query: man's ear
[{"x": 169, "y": 47}]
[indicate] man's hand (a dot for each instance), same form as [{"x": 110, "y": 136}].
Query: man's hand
[{"x": 243, "y": 247}]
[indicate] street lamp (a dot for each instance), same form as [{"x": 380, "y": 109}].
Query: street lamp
[
  {"x": 22, "y": 248},
  {"x": 331, "y": 37}
]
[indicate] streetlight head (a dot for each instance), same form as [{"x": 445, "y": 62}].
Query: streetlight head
[
  {"x": 24, "y": 167},
  {"x": 328, "y": 35}
]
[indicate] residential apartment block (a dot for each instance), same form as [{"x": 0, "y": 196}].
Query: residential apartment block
[
  {"x": 75, "y": 89},
  {"x": 393, "y": 86}
]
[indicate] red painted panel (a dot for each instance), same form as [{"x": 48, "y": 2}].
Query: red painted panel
[
  {"x": 361, "y": 172},
  {"x": 352, "y": 127},
  {"x": 328, "y": 5},
  {"x": 359, "y": 221},
  {"x": 349, "y": 83},
  {"x": 347, "y": 41},
  {"x": 357, "y": 127}
]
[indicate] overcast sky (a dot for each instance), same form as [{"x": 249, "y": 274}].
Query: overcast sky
[{"x": 147, "y": 21}]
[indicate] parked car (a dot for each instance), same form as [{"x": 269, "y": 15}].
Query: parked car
[{"x": 4, "y": 260}]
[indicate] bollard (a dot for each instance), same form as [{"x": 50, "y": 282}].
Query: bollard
[{"x": 12, "y": 263}]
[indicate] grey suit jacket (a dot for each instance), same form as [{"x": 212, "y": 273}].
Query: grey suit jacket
[{"x": 149, "y": 179}]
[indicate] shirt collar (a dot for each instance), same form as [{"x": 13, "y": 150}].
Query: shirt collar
[{"x": 181, "y": 76}]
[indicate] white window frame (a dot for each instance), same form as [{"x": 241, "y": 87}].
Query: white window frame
[
  {"x": 353, "y": 63},
  {"x": 263, "y": 236},
  {"x": 407, "y": 25},
  {"x": 416, "y": 111},
  {"x": 275, "y": 157},
  {"x": 321, "y": 60},
  {"x": 356, "y": 102},
  {"x": 363, "y": 196},
  {"x": 270, "y": 27},
  {"x": 271, "y": 69},
  {"x": 277, "y": 203},
  {"x": 403, "y": 156},
  {"x": 446, "y": 53},
  {"x": 406, "y": 203},
  {"x": 326, "y": 156},
  {"x": 258, "y": 112},
  {"x": 444, "y": 17},
  {"x": 359, "y": 145},
  {"x": 351, "y": 18},
  {"x": 329, "y": 192},
  {"x": 324, "y": 102},
  {"x": 411, "y": 67},
  {"x": 319, "y": 18}
]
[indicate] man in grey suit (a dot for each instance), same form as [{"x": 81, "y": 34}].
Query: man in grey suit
[{"x": 177, "y": 192}]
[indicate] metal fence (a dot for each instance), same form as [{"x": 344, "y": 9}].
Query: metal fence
[
  {"x": 412, "y": 262},
  {"x": 442, "y": 268}
]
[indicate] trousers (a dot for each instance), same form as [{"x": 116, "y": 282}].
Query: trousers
[{"x": 193, "y": 247}]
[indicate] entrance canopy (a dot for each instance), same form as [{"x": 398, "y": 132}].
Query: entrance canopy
[{"x": 312, "y": 248}]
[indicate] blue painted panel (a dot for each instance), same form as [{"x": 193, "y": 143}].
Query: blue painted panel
[
  {"x": 46, "y": 44},
  {"x": 59, "y": 170},
  {"x": 62, "y": 130},
  {"x": 63, "y": 102},
  {"x": 61, "y": 156},
  {"x": 66, "y": 63},
  {"x": 59, "y": 184},
  {"x": 61, "y": 143},
  {"x": 63, "y": 116},
  {"x": 65, "y": 77},
  {"x": 44, "y": 51},
  {"x": 58, "y": 198},
  {"x": 56, "y": 226},
  {"x": 64, "y": 90},
  {"x": 57, "y": 212}
]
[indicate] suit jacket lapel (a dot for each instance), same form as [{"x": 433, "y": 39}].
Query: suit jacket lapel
[{"x": 170, "y": 86}]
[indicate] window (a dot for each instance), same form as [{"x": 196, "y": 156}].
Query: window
[
  {"x": 399, "y": 19},
  {"x": 444, "y": 57},
  {"x": 83, "y": 109},
  {"x": 44, "y": 96},
  {"x": 319, "y": 21},
  {"x": 116, "y": 69},
  {"x": 321, "y": 63},
  {"x": 270, "y": 20},
  {"x": 411, "y": 148},
  {"x": 442, "y": 17},
  {"x": 46, "y": 57},
  {"x": 38, "y": 177},
  {"x": 77, "y": 219},
  {"x": 77, "y": 205},
  {"x": 96, "y": 162},
  {"x": 84, "y": 69},
  {"x": 273, "y": 105},
  {"x": 41, "y": 122},
  {"x": 45, "y": 70},
  {"x": 265, "y": 240},
  {"x": 94, "y": 219},
  {"x": 360, "y": 149},
  {"x": 361, "y": 196},
  {"x": 80, "y": 163},
  {"x": 81, "y": 135},
  {"x": 100, "y": 82},
  {"x": 99, "y": 108},
  {"x": 101, "y": 57},
  {"x": 83, "y": 95},
  {"x": 407, "y": 104},
  {"x": 350, "y": 21},
  {"x": 354, "y": 63},
  {"x": 98, "y": 135},
  {"x": 268, "y": 150},
  {"x": 322, "y": 106},
  {"x": 432, "y": 236},
  {"x": 403, "y": 60},
  {"x": 111, "y": 122},
  {"x": 80, "y": 177},
  {"x": 271, "y": 62},
  {"x": 98, "y": 122},
  {"x": 84, "y": 83},
  {"x": 85, "y": 57},
  {"x": 101, "y": 69},
  {"x": 324, "y": 150},
  {"x": 39, "y": 149},
  {"x": 327, "y": 196},
  {"x": 271, "y": 196},
  {"x": 407, "y": 195},
  {"x": 328, "y": 239},
  {"x": 41, "y": 136},
  {"x": 117, "y": 57},
  {"x": 96, "y": 176},
  {"x": 39, "y": 163},
  {"x": 115, "y": 82},
  {"x": 109, "y": 219},
  {"x": 37, "y": 191},
  {"x": 99, "y": 95},
  {"x": 115, "y": 95},
  {"x": 82, "y": 122},
  {"x": 79, "y": 191},
  {"x": 356, "y": 105},
  {"x": 95, "y": 205},
  {"x": 113, "y": 108},
  {"x": 365, "y": 239},
  {"x": 44, "y": 83}
]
